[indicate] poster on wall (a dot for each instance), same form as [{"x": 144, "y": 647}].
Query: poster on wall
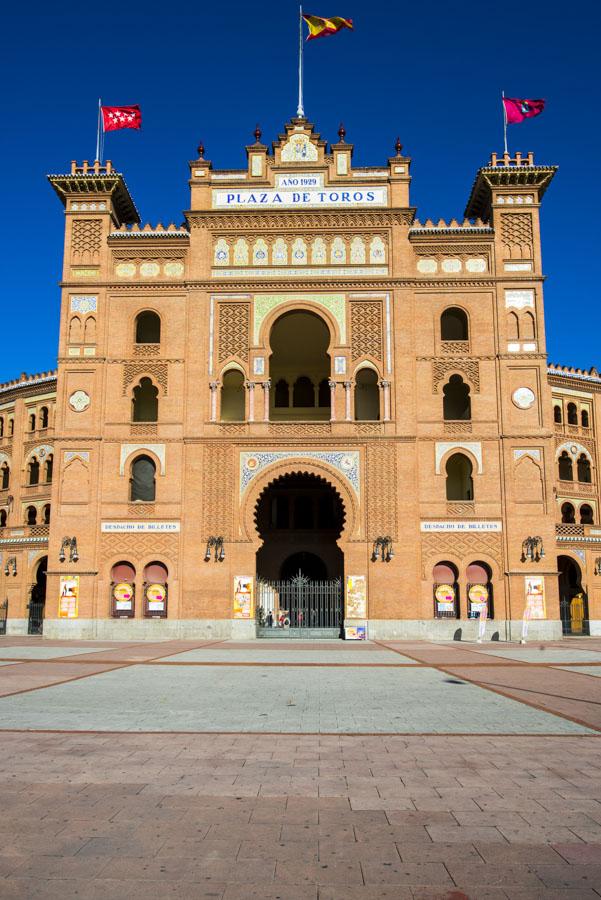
[
  {"x": 478, "y": 597},
  {"x": 356, "y": 597},
  {"x": 355, "y": 633},
  {"x": 243, "y": 597},
  {"x": 445, "y": 598},
  {"x": 156, "y": 598},
  {"x": 123, "y": 595},
  {"x": 68, "y": 601},
  {"x": 535, "y": 596}
]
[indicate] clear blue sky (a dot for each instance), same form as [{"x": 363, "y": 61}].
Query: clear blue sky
[{"x": 431, "y": 73}]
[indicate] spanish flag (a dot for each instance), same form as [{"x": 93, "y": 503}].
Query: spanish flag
[{"x": 319, "y": 27}]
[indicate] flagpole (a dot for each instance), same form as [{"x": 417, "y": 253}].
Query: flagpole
[
  {"x": 98, "y": 132},
  {"x": 504, "y": 122},
  {"x": 300, "y": 112}
]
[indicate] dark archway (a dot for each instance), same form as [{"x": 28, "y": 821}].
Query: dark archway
[
  {"x": 308, "y": 564},
  {"x": 37, "y": 598},
  {"x": 573, "y": 601},
  {"x": 299, "y": 367}
]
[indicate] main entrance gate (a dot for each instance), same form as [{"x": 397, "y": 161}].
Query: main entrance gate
[{"x": 299, "y": 608}]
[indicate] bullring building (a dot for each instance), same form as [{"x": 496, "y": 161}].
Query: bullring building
[{"x": 302, "y": 412}]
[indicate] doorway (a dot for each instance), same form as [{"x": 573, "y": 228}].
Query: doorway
[
  {"x": 573, "y": 601},
  {"x": 37, "y": 599}
]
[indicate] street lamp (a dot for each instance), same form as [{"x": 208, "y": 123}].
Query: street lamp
[
  {"x": 532, "y": 549},
  {"x": 219, "y": 544},
  {"x": 382, "y": 548},
  {"x": 11, "y": 566},
  {"x": 68, "y": 544}
]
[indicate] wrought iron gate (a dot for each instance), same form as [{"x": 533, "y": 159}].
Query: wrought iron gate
[
  {"x": 36, "y": 611},
  {"x": 299, "y": 607},
  {"x": 574, "y": 614},
  {"x": 3, "y": 616}
]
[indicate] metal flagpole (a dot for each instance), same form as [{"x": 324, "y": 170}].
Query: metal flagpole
[
  {"x": 300, "y": 110},
  {"x": 504, "y": 122}
]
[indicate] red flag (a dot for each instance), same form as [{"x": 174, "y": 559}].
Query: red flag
[
  {"x": 517, "y": 110},
  {"x": 115, "y": 117}
]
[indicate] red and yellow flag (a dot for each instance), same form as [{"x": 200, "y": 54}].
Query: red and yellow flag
[{"x": 319, "y": 27}]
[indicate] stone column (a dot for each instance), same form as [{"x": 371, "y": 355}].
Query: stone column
[
  {"x": 213, "y": 386},
  {"x": 348, "y": 387},
  {"x": 250, "y": 387},
  {"x": 266, "y": 389},
  {"x": 385, "y": 385},
  {"x": 332, "y": 385}
]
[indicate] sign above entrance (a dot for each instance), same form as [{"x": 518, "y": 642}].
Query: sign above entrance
[
  {"x": 303, "y": 198},
  {"x": 139, "y": 527},
  {"x": 461, "y": 526}
]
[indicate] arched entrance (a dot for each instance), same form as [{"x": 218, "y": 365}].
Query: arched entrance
[
  {"x": 573, "y": 601},
  {"x": 37, "y": 598},
  {"x": 299, "y": 368},
  {"x": 300, "y": 517}
]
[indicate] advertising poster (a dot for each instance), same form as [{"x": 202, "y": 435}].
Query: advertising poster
[
  {"x": 355, "y": 633},
  {"x": 445, "y": 598},
  {"x": 478, "y": 597},
  {"x": 123, "y": 594},
  {"x": 68, "y": 602},
  {"x": 156, "y": 597},
  {"x": 243, "y": 597},
  {"x": 356, "y": 597},
  {"x": 535, "y": 596}
]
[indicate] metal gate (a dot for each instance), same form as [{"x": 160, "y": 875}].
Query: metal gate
[
  {"x": 574, "y": 614},
  {"x": 299, "y": 608},
  {"x": 3, "y": 616},
  {"x": 35, "y": 606}
]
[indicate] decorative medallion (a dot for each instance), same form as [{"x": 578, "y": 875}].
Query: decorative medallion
[
  {"x": 125, "y": 270},
  {"x": 149, "y": 269},
  {"x": 299, "y": 149},
  {"x": 523, "y": 398},
  {"x": 174, "y": 269},
  {"x": 84, "y": 304},
  {"x": 79, "y": 401}
]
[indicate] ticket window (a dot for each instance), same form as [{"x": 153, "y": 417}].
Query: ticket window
[
  {"x": 446, "y": 591},
  {"x": 123, "y": 591},
  {"x": 156, "y": 590},
  {"x": 479, "y": 590}
]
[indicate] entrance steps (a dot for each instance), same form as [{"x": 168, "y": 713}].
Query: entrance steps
[{"x": 305, "y": 634}]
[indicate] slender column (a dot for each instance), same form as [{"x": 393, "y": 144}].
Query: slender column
[
  {"x": 332, "y": 385},
  {"x": 385, "y": 385},
  {"x": 266, "y": 388},
  {"x": 250, "y": 387},
  {"x": 213, "y": 386},
  {"x": 348, "y": 386}
]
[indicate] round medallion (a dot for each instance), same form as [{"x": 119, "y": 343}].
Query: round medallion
[
  {"x": 523, "y": 398},
  {"x": 125, "y": 270},
  {"x": 251, "y": 463},
  {"x": 149, "y": 269},
  {"x": 174, "y": 269},
  {"x": 79, "y": 401},
  {"x": 347, "y": 463}
]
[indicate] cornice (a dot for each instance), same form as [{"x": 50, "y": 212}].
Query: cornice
[{"x": 213, "y": 220}]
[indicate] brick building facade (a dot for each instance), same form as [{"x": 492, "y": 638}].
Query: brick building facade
[{"x": 302, "y": 378}]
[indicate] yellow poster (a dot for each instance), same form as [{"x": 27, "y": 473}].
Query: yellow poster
[
  {"x": 356, "y": 597},
  {"x": 68, "y": 601},
  {"x": 243, "y": 597},
  {"x": 535, "y": 597}
]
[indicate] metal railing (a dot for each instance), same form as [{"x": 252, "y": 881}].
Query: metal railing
[{"x": 299, "y": 606}]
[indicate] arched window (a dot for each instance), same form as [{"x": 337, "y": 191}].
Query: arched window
[
  {"x": 572, "y": 414},
  {"x": 557, "y": 417},
  {"x": 1, "y": 426},
  {"x": 33, "y": 471},
  {"x": 460, "y": 484},
  {"x": 155, "y": 589},
  {"x": 528, "y": 329},
  {"x": 11, "y": 427},
  {"x": 513, "y": 327},
  {"x": 46, "y": 514},
  {"x": 583, "y": 467},
  {"x": 233, "y": 406},
  {"x": 143, "y": 479},
  {"x": 568, "y": 516},
  {"x": 367, "y": 396},
  {"x": 446, "y": 590},
  {"x": 32, "y": 422},
  {"x": 4, "y": 476},
  {"x": 148, "y": 328},
  {"x": 586, "y": 514},
  {"x": 479, "y": 589},
  {"x": 3, "y": 518},
  {"x": 44, "y": 417},
  {"x": 303, "y": 392},
  {"x": 31, "y": 515},
  {"x": 145, "y": 404},
  {"x": 453, "y": 325},
  {"x": 156, "y": 571},
  {"x": 282, "y": 393},
  {"x": 323, "y": 392},
  {"x": 584, "y": 418},
  {"x": 48, "y": 469},
  {"x": 566, "y": 467},
  {"x": 456, "y": 403}
]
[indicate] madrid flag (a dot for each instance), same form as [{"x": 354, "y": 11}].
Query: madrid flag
[
  {"x": 517, "y": 110},
  {"x": 115, "y": 117}
]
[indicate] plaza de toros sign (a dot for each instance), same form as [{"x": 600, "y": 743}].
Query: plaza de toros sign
[{"x": 298, "y": 191}]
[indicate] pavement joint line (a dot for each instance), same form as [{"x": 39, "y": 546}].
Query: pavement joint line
[
  {"x": 495, "y": 690},
  {"x": 300, "y": 734},
  {"x": 501, "y": 662},
  {"x": 114, "y": 665}
]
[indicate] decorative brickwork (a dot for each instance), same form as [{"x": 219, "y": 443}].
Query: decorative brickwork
[
  {"x": 234, "y": 331},
  {"x": 85, "y": 240},
  {"x": 516, "y": 234},
  {"x": 133, "y": 371},
  {"x": 218, "y": 491},
  {"x": 366, "y": 330},
  {"x": 137, "y": 548},
  {"x": 147, "y": 350},
  {"x": 468, "y": 367},
  {"x": 381, "y": 487},
  {"x": 457, "y": 427},
  {"x": 284, "y": 429},
  {"x": 461, "y": 548}
]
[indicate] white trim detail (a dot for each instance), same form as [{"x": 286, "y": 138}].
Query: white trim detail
[
  {"x": 128, "y": 449},
  {"x": 442, "y": 448}
]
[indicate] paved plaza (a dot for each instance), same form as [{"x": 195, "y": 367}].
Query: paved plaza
[{"x": 285, "y": 769}]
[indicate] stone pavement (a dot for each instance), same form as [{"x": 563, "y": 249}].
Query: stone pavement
[{"x": 327, "y": 771}]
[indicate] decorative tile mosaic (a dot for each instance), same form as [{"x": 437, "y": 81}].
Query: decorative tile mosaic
[
  {"x": 264, "y": 303},
  {"x": 84, "y": 304},
  {"x": 72, "y": 454},
  {"x": 344, "y": 461}
]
